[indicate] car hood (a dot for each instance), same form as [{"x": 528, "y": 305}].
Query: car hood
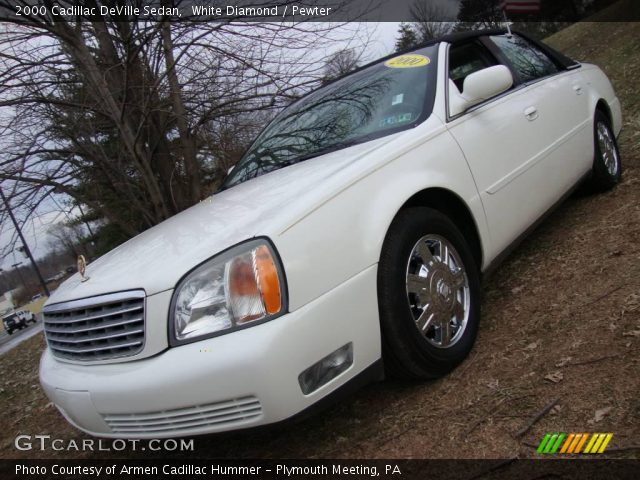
[{"x": 157, "y": 259}]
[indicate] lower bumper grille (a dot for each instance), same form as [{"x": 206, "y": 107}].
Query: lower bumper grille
[
  {"x": 96, "y": 328},
  {"x": 214, "y": 414}
]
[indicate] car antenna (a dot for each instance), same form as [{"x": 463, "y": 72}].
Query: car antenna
[{"x": 507, "y": 23}]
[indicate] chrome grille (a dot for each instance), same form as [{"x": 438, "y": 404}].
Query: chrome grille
[
  {"x": 218, "y": 414},
  {"x": 96, "y": 328}
]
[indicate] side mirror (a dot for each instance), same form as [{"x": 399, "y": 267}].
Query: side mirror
[{"x": 478, "y": 87}]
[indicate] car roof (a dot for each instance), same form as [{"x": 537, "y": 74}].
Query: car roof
[
  {"x": 449, "y": 38},
  {"x": 464, "y": 36},
  {"x": 461, "y": 37}
]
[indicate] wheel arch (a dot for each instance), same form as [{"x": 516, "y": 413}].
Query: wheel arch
[
  {"x": 603, "y": 106},
  {"x": 448, "y": 203}
]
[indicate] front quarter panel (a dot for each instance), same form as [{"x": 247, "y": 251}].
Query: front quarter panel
[{"x": 344, "y": 235}]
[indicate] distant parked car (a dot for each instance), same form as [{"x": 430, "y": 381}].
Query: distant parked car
[
  {"x": 36, "y": 297},
  {"x": 28, "y": 316},
  {"x": 355, "y": 229},
  {"x": 18, "y": 320}
]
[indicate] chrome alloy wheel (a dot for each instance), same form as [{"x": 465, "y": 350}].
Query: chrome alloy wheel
[
  {"x": 608, "y": 148},
  {"x": 438, "y": 291}
]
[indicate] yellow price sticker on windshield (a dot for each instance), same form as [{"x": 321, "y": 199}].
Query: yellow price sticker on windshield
[{"x": 408, "y": 61}]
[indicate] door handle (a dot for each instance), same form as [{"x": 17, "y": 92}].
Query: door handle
[
  {"x": 531, "y": 113},
  {"x": 577, "y": 89}
]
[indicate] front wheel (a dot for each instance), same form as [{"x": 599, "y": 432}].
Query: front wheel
[{"x": 429, "y": 295}]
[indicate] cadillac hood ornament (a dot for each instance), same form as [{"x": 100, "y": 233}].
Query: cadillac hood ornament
[{"x": 82, "y": 267}]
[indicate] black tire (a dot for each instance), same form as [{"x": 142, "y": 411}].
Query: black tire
[
  {"x": 601, "y": 178},
  {"x": 406, "y": 352}
]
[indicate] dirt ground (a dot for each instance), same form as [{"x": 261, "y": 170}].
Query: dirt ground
[{"x": 561, "y": 321}]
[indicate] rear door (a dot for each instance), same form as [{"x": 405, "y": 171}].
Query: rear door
[
  {"x": 510, "y": 141},
  {"x": 565, "y": 105}
]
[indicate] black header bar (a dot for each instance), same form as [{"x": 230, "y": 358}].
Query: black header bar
[
  {"x": 506, "y": 469},
  {"x": 470, "y": 11}
]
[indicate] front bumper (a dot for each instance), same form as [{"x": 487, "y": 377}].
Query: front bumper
[{"x": 244, "y": 379}]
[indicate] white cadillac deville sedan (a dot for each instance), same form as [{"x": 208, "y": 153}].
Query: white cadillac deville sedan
[{"x": 349, "y": 240}]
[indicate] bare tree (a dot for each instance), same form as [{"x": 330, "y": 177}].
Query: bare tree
[
  {"x": 480, "y": 14},
  {"x": 340, "y": 63},
  {"x": 407, "y": 37},
  {"x": 433, "y": 18},
  {"x": 137, "y": 120},
  {"x": 68, "y": 238}
]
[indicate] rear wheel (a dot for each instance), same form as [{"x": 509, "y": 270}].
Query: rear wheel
[
  {"x": 429, "y": 295},
  {"x": 607, "y": 167}
]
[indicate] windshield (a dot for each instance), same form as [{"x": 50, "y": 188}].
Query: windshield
[{"x": 379, "y": 100}]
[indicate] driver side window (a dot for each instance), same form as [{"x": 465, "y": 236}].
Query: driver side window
[{"x": 466, "y": 59}]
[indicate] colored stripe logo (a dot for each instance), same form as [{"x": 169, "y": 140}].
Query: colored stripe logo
[{"x": 574, "y": 443}]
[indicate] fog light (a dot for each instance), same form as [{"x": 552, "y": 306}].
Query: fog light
[{"x": 326, "y": 369}]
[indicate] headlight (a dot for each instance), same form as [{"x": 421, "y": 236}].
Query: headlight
[{"x": 238, "y": 288}]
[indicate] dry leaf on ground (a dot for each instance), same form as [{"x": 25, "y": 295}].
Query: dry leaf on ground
[
  {"x": 600, "y": 414},
  {"x": 632, "y": 333},
  {"x": 563, "y": 361},
  {"x": 555, "y": 377}
]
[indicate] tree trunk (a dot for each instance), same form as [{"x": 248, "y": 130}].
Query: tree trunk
[
  {"x": 186, "y": 139},
  {"x": 87, "y": 66}
]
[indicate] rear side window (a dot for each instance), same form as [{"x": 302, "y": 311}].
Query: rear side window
[{"x": 529, "y": 62}]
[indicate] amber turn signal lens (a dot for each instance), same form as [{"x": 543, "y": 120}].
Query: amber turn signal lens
[{"x": 268, "y": 280}]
